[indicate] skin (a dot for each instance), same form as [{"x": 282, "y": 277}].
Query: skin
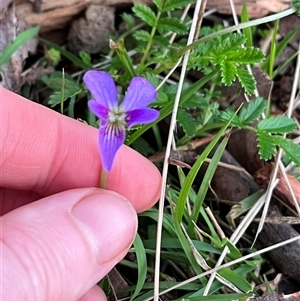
[{"x": 59, "y": 233}]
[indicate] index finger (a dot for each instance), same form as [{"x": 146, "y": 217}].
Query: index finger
[{"x": 46, "y": 152}]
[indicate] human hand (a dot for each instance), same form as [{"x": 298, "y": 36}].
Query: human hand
[{"x": 59, "y": 236}]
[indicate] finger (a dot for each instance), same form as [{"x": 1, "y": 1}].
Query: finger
[
  {"x": 46, "y": 152},
  {"x": 94, "y": 294},
  {"x": 59, "y": 247},
  {"x": 15, "y": 199}
]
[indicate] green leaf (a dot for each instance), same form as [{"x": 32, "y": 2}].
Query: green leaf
[
  {"x": 19, "y": 41},
  {"x": 249, "y": 55},
  {"x": 234, "y": 41},
  {"x": 54, "y": 81},
  {"x": 145, "y": 13},
  {"x": 141, "y": 263},
  {"x": 253, "y": 110},
  {"x": 223, "y": 297},
  {"x": 291, "y": 149},
  {"x": 158, "y": 3},
  {"x": 229, "y": 43},
  {"x": 278, "y": 124},
  {"x": 246, "y": 79},
  {"x": 161, "y": 99},
  {"x": 248, "y": 30},
  {"x": 171, "y": 24},
  {"x": 142, "y": 35},
  {"x": 128, "y": 19},
  {"x": 71, "y": 88},
  {"x": 228, "y": 72},
  {"x": 152, "y": 78},
  {"x": 266, "y": 145},
  {"x": 227, "y": 115},
  {"x": 296, "y": 6},
  {"x": 161, "y": 41},
  {"x": 187, "y": 122},
  {"x": 86, "y": 58},
  {"x": 173, "y": 4},
  {"x": 280, "y": 47}
]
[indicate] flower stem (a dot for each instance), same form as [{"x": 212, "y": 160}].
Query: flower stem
[
  {"x": 103, "y": 178},
  {"x": 148, "y": 47},
  {"x": 157, "y": 136}
]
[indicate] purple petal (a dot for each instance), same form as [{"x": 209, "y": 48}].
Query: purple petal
[
  {"x": 110, "y": 141},
  {"x": 141, "y": 116},
  {"x": 102, "y": 87},
  {"x": 139, "y": 95},
  {"x": 99, "y": 110}
]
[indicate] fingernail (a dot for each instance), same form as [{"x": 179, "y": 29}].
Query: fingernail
[{"x": 109, "y": 222}]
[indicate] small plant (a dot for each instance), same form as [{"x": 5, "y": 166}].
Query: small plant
[{"x": 147, "y": 59}]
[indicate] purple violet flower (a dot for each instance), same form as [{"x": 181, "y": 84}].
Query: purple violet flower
[{"x": 114, "y": 117}]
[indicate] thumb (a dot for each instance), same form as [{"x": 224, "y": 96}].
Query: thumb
[{"x": 57, "y": 248}]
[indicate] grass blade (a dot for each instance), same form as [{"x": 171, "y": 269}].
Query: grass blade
[
  {"x": 20, "y": 40},
  {"x": 141, "y": 263}
]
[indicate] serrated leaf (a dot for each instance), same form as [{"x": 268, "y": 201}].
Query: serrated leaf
[
  {"x": 145, "y": 13},
  {"x": 54, "y": 81},
  {"x": 253, "y": 110},
  {"x": 230, "y": 43},
  {"x": 246, "y": 79},
  {"x": 158, "y": 3},
  {"x": 71, "y": 88},
  {"x": 187, "y": 122},
  {"x": 171, "y": 24},
  {"x": 161, "y": 99},
  {"x": 173, "y": 4},
  {"x": 128, "y": 19},
  {"x": 235, "y": 41},
  {"x": 228, "y": 115},
  {"x": 142, "y": 35},
  {"x": 161, "y": 41},
  {"x": 249, "y": 55},
  {"x": 152, "y": 78},
  {"x": 277, "y": 125},
  {"x": 228, "y": 71},
  {"x": 291, "y": 149},
  {"x": 266, "y": 145}
]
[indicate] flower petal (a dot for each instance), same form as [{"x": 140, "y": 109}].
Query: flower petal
[
  {"x": 99, "y": 110},
  {"x": 141, "y": 116},
  {"x": 140, "y": 94},
  {"x": 102, "y": 87},
  {"x": 110, "y": 141}
]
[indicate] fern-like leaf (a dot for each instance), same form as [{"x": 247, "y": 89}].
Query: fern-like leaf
[
  {"x": 228, "y": 72},
  {"x": 187, "y": 122},
  {"x": 171, "y": 24},
  {"x": 228, "y": 115},
  {"x": 249, "y": 55},
  {"x": 173, "y": 4},
  {"x": 266, "y": 145},
  {"x": 253, "y": 110},
  {"x": 277, "y": 125},
  {"x": 142, "y": 35},
  {"x": 145, "y": 13},
  {"x": 290, "y": 148},
  {"x": 246, "y": 79}
]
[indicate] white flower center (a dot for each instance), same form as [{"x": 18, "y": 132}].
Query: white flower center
[{"x": 117, "y": 119}]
